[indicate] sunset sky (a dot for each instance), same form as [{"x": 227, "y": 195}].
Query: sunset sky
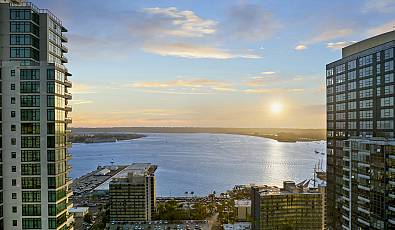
[{"x": 208, "y": 63}]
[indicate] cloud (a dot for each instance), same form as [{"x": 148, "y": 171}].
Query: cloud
[
  {"x": 184, "y": 86},
  {"x": 273, "y": 90},
  {"x": 249, "y": 22},
  {"x": 382, "y": 6},
  {"x": 81, "y": 102},
  {"x": 324, "y": 36},
  {"x": 386, "y": 27},
  {"x": 300, "y": 47},
  {"x": 329, "y": 34},
  {"x": 172, "y": 22},
  {"x": 268, "y": 73},
  {"x": 185, "y": 50},
  {"x": 82, "y": 89},
  {"x": 339, "y": 45}
]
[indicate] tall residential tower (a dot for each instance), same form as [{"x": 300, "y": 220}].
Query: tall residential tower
[
  {"x": 35, "y": 191},
  {"x": 360, "y": 105}
]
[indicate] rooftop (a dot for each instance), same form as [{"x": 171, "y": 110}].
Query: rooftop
[
  {"x": 142, "y": 169},
  {"x": 242, "y": 203},
  {"x": 368, "y": 43}
]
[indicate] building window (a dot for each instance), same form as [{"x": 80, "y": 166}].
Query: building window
[
  {"x": 387, "y": 101},
  {"x": 30, "y": 87},
  {"x": 352, "y": 64},
  {"x": 30, "y": 155},
  {"x": 31, "y": 196},
  {"x": 389, "y": 78},
  {"x": 352, "y": 75},
  {"x": 31, "y": 223},
  {"x": 12, "y": 86},
  {"x": 366, "y": 72},
  {"x": 13, "y": 182},
  {"x": 365, "y": 60},
  {"x": 12, "y": 100},
  {"x": 13, "y": 155},
  {"x": 30, "y": 74},
  {"x": 389, "y": 66},
  {"x": 30, "y": 101},
  {"x": 366, "y": 114},
  {"x": 13, "y": 196},
  {"x": 366, "y": 104},
  {"x": 385, "y": 124},
  {"x": 13, "y": 127},
  {"x": 12, "y": 73},
  {"x": 13, "y": 168},
  {"x": 340, "y": 68},
  {"x": 14, "y": 223},
  {"x": 14, "y": 209},
  {"x": 13, "y": 141},
  {"x": 389, "y": 53},
  {"x": 387, "y": 113},
  {"x": 30, "y": 128},
  {"x": 30, "y": 115},
  {"x": 30, "y": 142}
]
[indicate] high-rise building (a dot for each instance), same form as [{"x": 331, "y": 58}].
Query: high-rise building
[
  {"x": 292, "y": 207},
  {"x": 35, "y": 191},
  {"x": 133, "y": 193},
  {"x": 360, "y": 103},
  {"x": 368, "y": 200}
]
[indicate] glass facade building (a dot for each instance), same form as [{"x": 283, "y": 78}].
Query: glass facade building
[
  {"x": 360, "y": 103},
  {"x": 291, "y": 207},
  {"x": 35, "y": 113}
]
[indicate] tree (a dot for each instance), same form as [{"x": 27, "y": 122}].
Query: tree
[{"x": 88, "y": 218}]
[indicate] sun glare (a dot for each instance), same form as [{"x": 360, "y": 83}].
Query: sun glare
[{"x": 276, "y": 107}]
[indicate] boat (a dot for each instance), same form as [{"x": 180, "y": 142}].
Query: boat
[
  {"x": 322, "y": 153},
  {"x": 316, "y": 151}
]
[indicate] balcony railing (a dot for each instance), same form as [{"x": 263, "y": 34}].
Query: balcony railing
[
  {"x": 68, "y": 83},
  {"x": 68, "y": 96},
  {"x": 68, "y": 108}
]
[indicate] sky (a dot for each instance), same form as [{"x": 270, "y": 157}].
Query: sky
[{"x": 204, "y": 63}]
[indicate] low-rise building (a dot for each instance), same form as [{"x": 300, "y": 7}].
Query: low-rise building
[
  {"x": 292, "y": 206},
  {"x": 243, "y": 210},
  {"x": 238, "y": 226},
  {"x": 79, "y": 211}
]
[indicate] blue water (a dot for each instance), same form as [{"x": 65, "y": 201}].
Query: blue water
[{"x": 205, "y": 162}]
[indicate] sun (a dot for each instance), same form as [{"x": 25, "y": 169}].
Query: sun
[{"x": 276, "y": 107}]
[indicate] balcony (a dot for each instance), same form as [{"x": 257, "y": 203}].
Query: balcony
[
  {"x": 64, "y": 49},
  {"x": 63, "y": 38},
  {"x": 64, "y": 59},
  {"x": 68, "y": 96},
  {"x": 391, "y": 208},
  {"x": 68, "y": 144},
  {"x": 68, "y": 169},
  {"x": 64, "y": 29},
  {"x": 364, "y": 188},
  {"x": 362, "y": 221},
  {"x": 68, "y": 108},
  {"x": 68, "y": 83},
  {"x": 68, "y": 120}
]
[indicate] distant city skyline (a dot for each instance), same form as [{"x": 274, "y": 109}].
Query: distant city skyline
[{"x": 194, "y": 63}]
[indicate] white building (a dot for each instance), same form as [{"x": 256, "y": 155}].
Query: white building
[{"x": 34, "y": 115}]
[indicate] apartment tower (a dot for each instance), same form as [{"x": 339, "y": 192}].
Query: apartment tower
[
  {"x": 360, "y": 104},
  {"x": 133, "y": 193},
  {"x": 291, "y": 207},
  {"x": 35, "y": 187}
]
